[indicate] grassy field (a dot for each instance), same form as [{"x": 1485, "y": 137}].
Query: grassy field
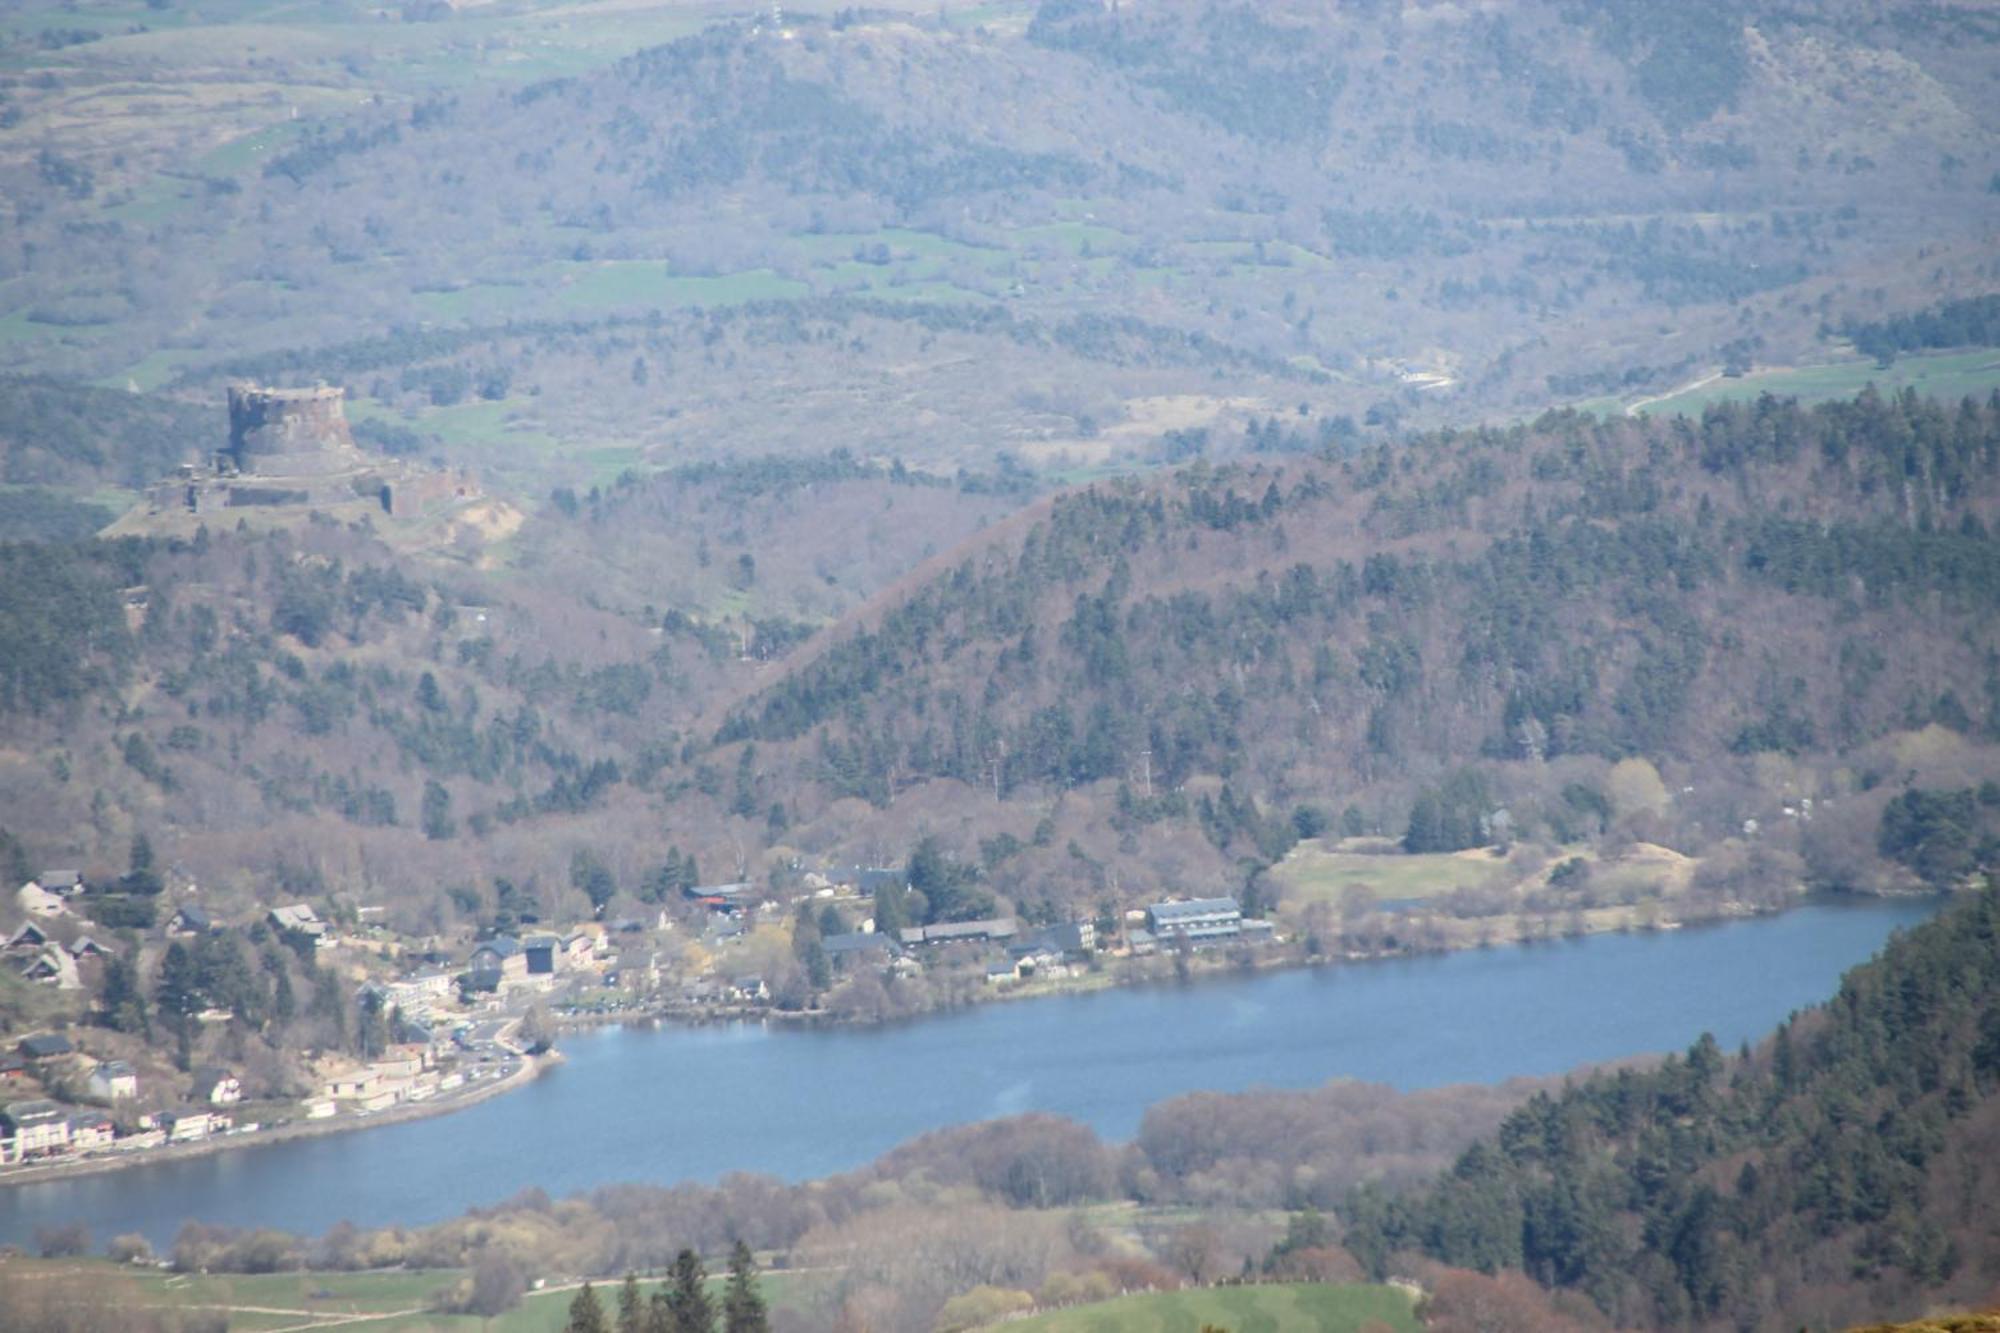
[
  {"x": 1946, "y": 375},
  {"x": 390, "y": 1301},
  {"x": 1291, "y": 1308},
  {"x": 1317, "y": 872}
]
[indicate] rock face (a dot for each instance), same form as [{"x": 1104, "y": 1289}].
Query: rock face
[{"x": 289, "y": 433}]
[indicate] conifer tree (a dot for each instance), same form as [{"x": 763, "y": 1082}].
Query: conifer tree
[
  {"x": 687, "y": 1304},
  {"x": 586, "y": 1313},
  {"x": 631, "y": 1310},
  {"x": 743, "y": 1305}
]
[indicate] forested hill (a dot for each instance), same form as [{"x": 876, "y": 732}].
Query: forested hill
[
  {"x": 1849, "y": 1168},
  {"x": 1467, "y": 625},
  {"x": 1766, "y": 638}
]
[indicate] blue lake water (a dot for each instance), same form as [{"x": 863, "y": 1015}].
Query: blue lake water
[{"x": 677, "y": 1103}]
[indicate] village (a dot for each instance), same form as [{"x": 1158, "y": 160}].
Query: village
[{"x": 439, "y": 1026}]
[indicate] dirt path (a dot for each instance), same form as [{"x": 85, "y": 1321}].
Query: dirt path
[{"x": 1636, "y": 408}]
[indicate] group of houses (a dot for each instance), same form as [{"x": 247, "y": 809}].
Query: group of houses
[
  {"x": 43, "y": 1129},
  {"x": 506, "y": 959},
  {"x": 51, "y": 947},
  {"x": 406, "y": 1072}
]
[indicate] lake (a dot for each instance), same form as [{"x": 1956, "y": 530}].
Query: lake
[{"x": 694, "y": 1103}]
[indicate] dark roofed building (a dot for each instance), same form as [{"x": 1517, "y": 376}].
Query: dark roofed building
[
  {"x": 544, "y": 954},
  {"x": 855, "y": 942},
  {"x": 190, "y": 919},
  {"x": 946, "y": 932},
  {"x": 46, "y": 1046},
  {"x": 498, "y": 959}
]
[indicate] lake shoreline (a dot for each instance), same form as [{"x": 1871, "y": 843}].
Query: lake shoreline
[
  {"x": 1162, "y": 970},
  {"x": 532, "y": 1068},
  {"x": 1166, "y": 968},
  {"x": 776, "y": 1100}
]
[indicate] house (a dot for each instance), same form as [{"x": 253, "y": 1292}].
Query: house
[
  {"x": 416, "y": 994},
  {"x": 37, "y": 1128},
  {"x": 12, "y": 1066},
  {"x": 636, "y": 969},
  {"x": 866, "y": 879},
  {"x": 89, "y": 1130},
  {"x": 1141, "y": 942},
  {"x": 544, "y": 955},
  {"x": 215, "y": 1086},
  {"x": 64, "y": 883},
  {"x": 190, "y": 919},
  {"x": 750, "y": 989},
  {"x": 405, "y": 1059},
  {"x": 856, "y": 944},
  {"x": 496, "y": 962},
  {"x": 1038, "y": 958},
  {"x": 37, "y": 901},
  {"x": 1196, "y": 920},
  {"x": 83, "y": 946},
  {"x": 30, "y": 938},
  {"x": 299, "y": 918},
  {"x": 1072, "y": 937},
  {"x": 188, "y": 1124},
  {"x": 53, "y": 967},
  {"x": 995, "y": 928},
  {"x": 579, "y": 949},
  {"x": 996, "y": 973},
  {"x": 353, "y": 1085},
  {"x": 46, "y": 1046},
  {"x": 114, "y": 1081}
]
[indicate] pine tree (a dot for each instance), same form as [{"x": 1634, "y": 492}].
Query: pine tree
[
  {"x": 631, "y": 1309},
  {"x": 124, "y": 1001},
  {"x": 743, "y": 1306},
  {"x": 586, "y": 1314},
  {"x": 688, "y": 1306}
]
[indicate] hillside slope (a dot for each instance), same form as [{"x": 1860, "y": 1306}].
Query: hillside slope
[
  {"x": 1758, "y": 604},
  {"x": 1394, "y": 212},
  {"x": 1742, "y": 638},
  {"x": 1846, "y": 1169}
]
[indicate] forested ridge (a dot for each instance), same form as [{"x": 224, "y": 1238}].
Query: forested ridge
[
  {"x": 1700, "y": 591},
  {"x": 1166, "y": 680},
  {"x": 1845, "y": 1168}
]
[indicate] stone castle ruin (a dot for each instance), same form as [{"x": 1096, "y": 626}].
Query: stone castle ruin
[
  {"x": 288, "y": 433},
  {"x": 291, "y": 448}
]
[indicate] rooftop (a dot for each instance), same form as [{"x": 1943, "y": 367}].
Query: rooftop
[{"x": 1193, "y": 907}]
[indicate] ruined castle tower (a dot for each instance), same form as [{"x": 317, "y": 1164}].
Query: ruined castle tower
[
  {"x": 290, "y": 453},
  {"x": 288, "y": 433}
]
